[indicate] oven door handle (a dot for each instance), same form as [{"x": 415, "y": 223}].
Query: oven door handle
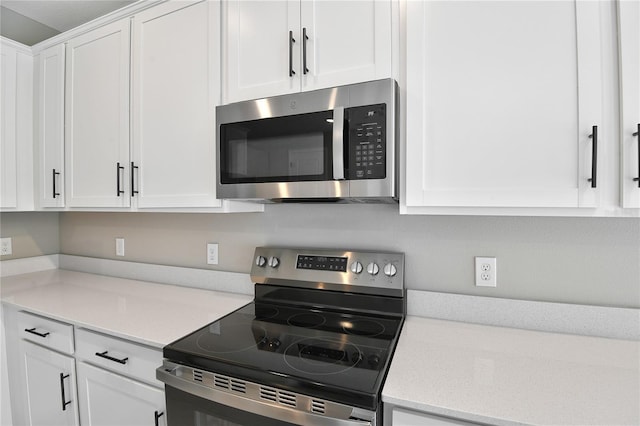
[
  {"x": 178, "y": 377},
  {"x": 338, "y": 143}
]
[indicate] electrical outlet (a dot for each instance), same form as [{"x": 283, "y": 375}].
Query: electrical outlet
[
  {"x": 5, "y": 247},
  {"x": 486, "y": 272},
  {"x": 119, "y": 246},
  {"x": 212, "y": 253}
]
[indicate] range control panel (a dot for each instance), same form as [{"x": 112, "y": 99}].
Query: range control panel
[
  {"x": 371, "y": 272},
  {"x": 322, "y": 263}
]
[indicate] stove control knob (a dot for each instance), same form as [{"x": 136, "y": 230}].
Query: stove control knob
[
  {"x": 274, "y": 262},
  {"x": 390, "y": 270},
  {"x": 356, "y": 267},
  {"x": 373, "y": 268},
  {"x": 261, "y": 261}
]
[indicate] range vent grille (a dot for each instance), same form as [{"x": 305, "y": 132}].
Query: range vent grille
[
  {"x": 266, "y": 395},
  {"x": 317, "y": 406},
  {"x": 278, "y": 396},
  {"x": 230, "y": 384},
  {"x": 238, "y": 386}
]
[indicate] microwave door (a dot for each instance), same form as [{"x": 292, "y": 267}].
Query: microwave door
[{"x": 294, "y": 148}]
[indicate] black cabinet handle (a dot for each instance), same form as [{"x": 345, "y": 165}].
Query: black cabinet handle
[
  {"x": 64, "y": 399},
  {"x": 110, "y": 358},
  {"x": 33, "y": 331},
  {"x": 55, "y": 193},
  {"x": 291, "y": 41},
  {"x": 157, "y": 416},
  {"x": 637, "y": 135},
  {"x": 305, "y": 70},
  {"x": 594, "y": 156},
  {"x": 118, "y": 168},
  {"x": 133, "y": 169}
]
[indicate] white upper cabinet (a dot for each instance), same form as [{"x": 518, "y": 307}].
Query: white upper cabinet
[
  {"x": 278, "y": 47},
  {"x": 175, "y": 91},
  {"x": 258, "y": 48},
  {"x": 629, "y": 40},
  {"x": 97, "y": 118},
  {"x": 50, "y": 126},
  {"x": 8, "y": 156},
  {"x": 502, "y": 101},
  {"x": 346, "y": 42},
  {"x": 16, "y": 143}
]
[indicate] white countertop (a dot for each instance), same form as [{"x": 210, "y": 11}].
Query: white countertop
[
  {"x": 148, "y": 313},
  {"x": 511, "y": 376},
  {"x": 473, "y": 372}
]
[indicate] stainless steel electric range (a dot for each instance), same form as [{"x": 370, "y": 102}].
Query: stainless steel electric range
[{"x": 313, "y": 348}]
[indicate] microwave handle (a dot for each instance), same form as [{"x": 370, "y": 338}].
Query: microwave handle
[{"x": 338, "y": 143}]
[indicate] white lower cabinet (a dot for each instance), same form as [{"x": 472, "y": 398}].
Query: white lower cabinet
[
  {"x": 116, "y": 381},
  {"x": 401, "y": 417},
  {"x": 115, "y": 384},
  {"x": 51, "y": 397},
  {"x": 110, "y": 399}
]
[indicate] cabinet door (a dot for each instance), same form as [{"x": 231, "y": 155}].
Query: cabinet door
[
  {"x": 413, "y": 418},
  {"x": 50, "y": 386},
  {"x": 16, "y": 143},
  {"x": 108, "y": 399},
  {"x": 50, "y": 126},
  {"x": 629, "y": 39},
  {"x": 348, "y": 42},
  {"x": 97, "y": 118},
  {"x": 257, "y": 50},
  {"x": 8, "y": 156},
  {"x": 175, "y": 92},
  {"x": 501, "y": 101}
]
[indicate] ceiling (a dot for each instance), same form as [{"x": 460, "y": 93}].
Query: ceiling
[{"x": 31, "y": 21}]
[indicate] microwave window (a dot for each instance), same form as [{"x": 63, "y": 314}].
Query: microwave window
[{"x": 282, "y": 149}]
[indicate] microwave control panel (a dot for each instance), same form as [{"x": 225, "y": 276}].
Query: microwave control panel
[{"x": 367, "y": 142}]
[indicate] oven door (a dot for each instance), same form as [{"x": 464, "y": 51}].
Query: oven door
[{"x": 204, "y": 403}]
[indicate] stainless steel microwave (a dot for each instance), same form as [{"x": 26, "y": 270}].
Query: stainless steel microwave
[{"x": 337, "y": 144}]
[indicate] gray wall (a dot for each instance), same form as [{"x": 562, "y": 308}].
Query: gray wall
[
  {"x": 574, "y": 260},
  {"x": 32, "y": 233}
]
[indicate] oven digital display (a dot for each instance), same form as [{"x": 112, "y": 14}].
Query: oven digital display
[{"x": 322, "y": 263}]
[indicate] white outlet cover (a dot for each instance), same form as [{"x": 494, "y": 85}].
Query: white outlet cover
[
  {"x": 486, "y": 272},
  {"x": 119, "y": 246},
  {"x": 212, "y": 253},
  {"x": 5, "y": 246}
]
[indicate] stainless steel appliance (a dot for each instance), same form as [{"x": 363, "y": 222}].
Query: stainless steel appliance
[
  {"x": 337, "y": 144},
  {"x": 313, "y": 348}
]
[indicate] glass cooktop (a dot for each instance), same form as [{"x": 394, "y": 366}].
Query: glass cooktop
[{"x": 287, "y": 344}]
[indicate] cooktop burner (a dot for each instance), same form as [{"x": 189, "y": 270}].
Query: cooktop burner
[
  {"x": 296, "y": 342},
  {"x": 332, "y": 338}
]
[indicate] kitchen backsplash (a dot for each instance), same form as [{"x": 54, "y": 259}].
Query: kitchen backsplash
[{"x": 571, "y": 260}]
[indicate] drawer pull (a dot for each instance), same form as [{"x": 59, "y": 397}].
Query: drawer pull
[
  {"x": 110, "y": 358},
  {"x": 64, "y": 401},
  {"x": 157, "y": 416},
  {"x": 33, "y": 331}
]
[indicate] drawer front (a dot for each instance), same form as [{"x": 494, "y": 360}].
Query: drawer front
[
  {"x": 46, "y": 332},
  {"x": 118, "y": 355}
]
